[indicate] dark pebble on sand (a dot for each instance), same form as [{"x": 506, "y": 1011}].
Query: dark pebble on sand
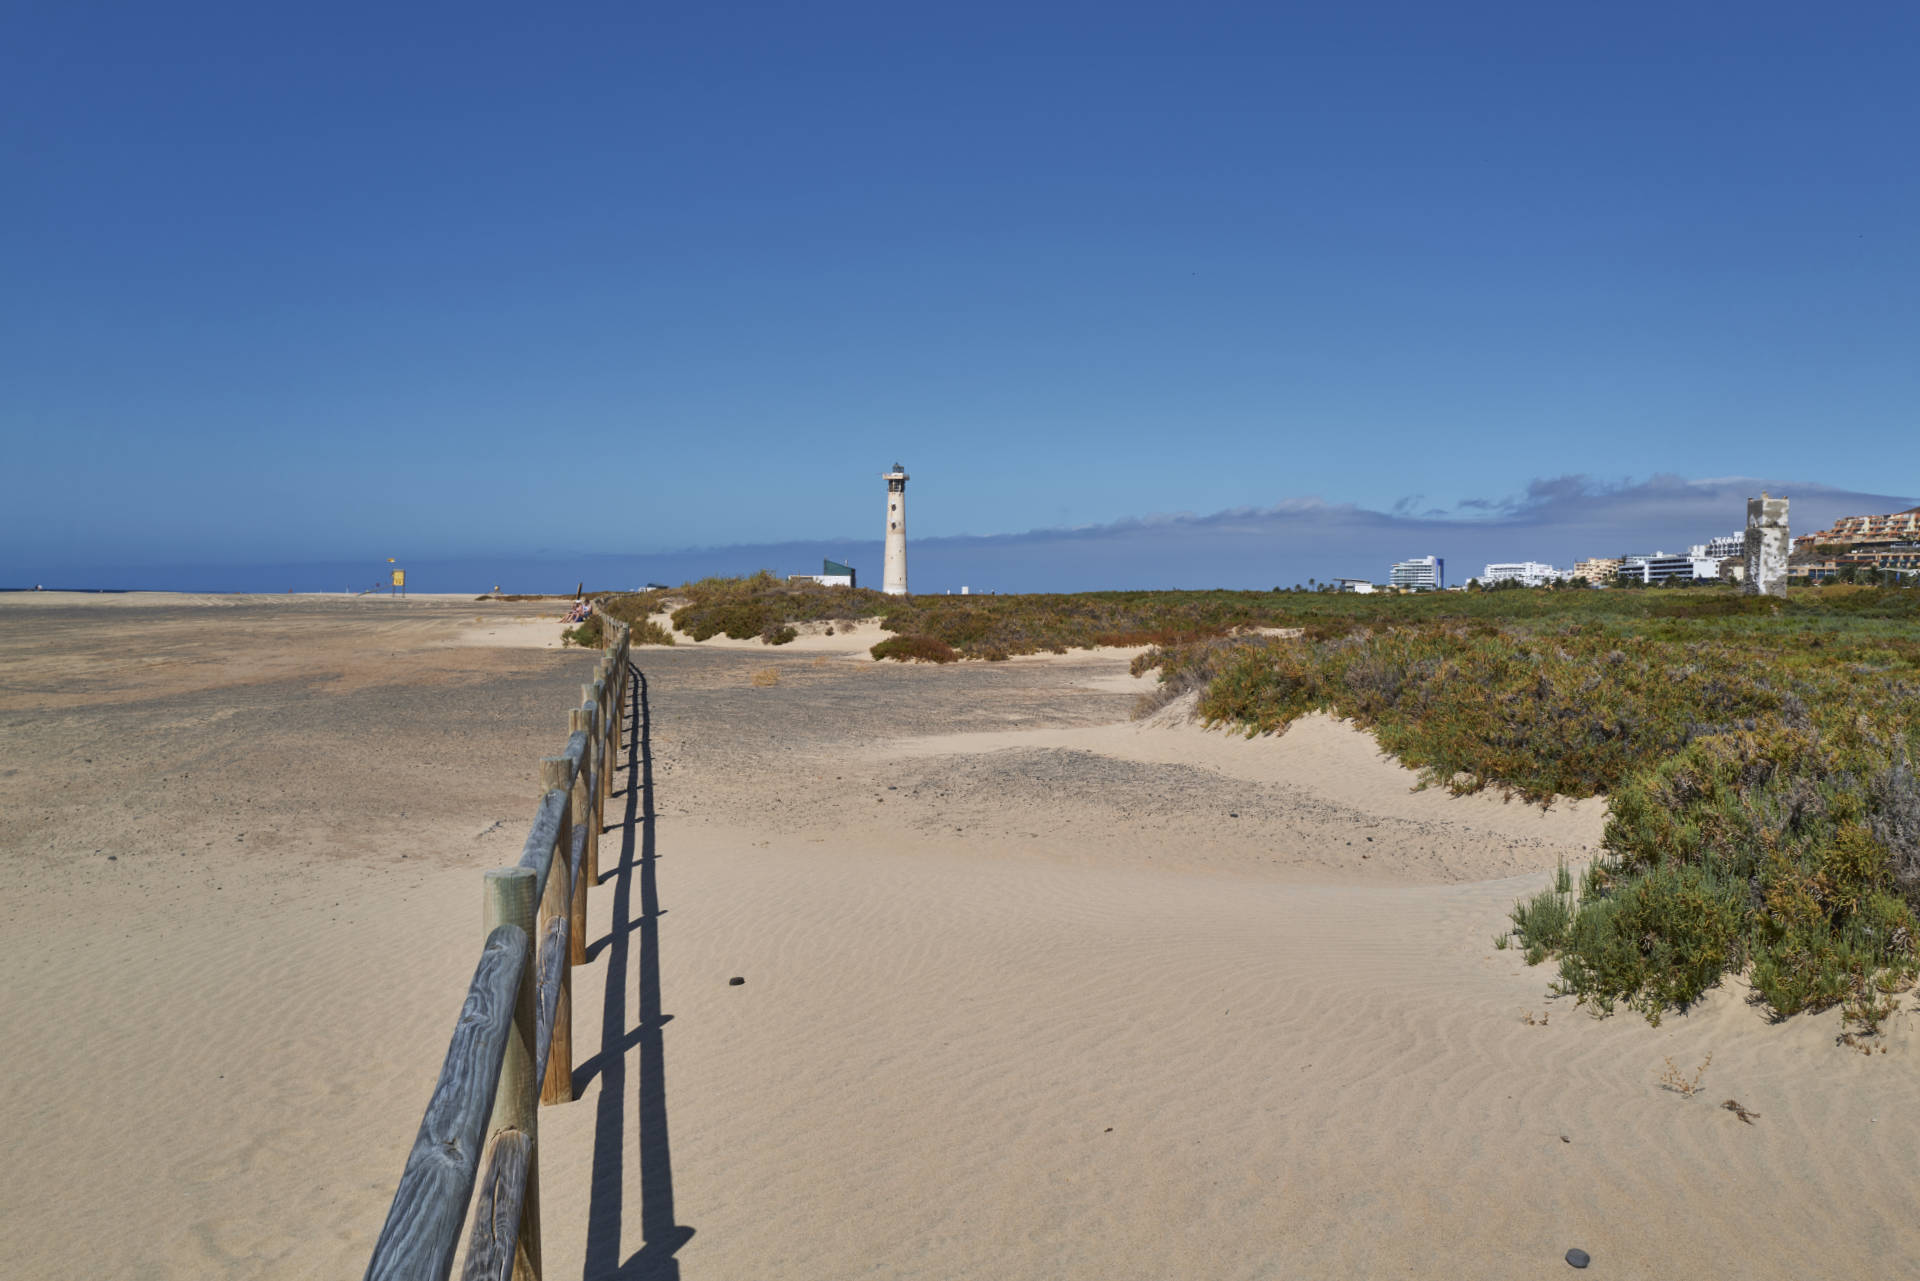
[
  {"x": 735, "y": 981},
  {"x": 1578, "y": 1258}
]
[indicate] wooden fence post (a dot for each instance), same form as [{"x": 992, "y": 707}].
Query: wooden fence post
[
  {"x": 610, "y": 723},
  {"x": 595, "y": 696},
  {"x": 583, "y": 719},
  {"x": 607, "y": 713},
  {"x": 619, "y": 700},
  {"x": 509, "y": 901},
  {"x": 556, "y": 775}
]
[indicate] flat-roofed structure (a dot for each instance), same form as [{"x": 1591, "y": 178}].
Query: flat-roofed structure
[
  {"x": 1666, "y": 567},
  {"x": 832, "y": 574}
]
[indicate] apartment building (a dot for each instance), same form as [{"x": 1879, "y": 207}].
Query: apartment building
[
  {"x": 1897, "y": 558},
  {"x": 1895, "y": 527},
  {"x": 1598, "y": 570}
]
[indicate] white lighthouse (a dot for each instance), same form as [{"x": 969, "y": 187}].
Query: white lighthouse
[{"x": 894, "y": 581}]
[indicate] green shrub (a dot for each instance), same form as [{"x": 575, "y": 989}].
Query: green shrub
[
  {"x": 1657, "y": 943},
  {"x": 587, "y": 634},
  {"x": 648, "y": 632}
]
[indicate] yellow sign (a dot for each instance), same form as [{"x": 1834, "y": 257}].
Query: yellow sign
[{"x": 399, "y": 578}]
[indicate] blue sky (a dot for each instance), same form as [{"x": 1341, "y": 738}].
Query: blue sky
[{"x": 311, "y": 288}]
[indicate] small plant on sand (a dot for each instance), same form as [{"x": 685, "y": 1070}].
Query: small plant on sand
[
  {"x": 1526, "y": 1016},
  {"x": 1868, "y": 1009},
  {"x": 766, "y": 676},
  {"x": 778, "y": 633},
  {"x": 1541, "y": 923},
  {"x": 1680, "y": 1083}
]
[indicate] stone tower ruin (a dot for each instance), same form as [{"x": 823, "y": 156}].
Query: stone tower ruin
[{"x": 1767, "y": 545}]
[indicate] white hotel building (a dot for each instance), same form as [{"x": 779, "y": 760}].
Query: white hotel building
[
  {"x": 1529, "y": 573},
  {"x": 1661, "y": 567},
  {"x": 1421, "y": 574},
  {"x": 1720, "y": 548}
]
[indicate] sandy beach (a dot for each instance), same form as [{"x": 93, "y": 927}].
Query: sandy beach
[{"x": 1033, "y": 989}]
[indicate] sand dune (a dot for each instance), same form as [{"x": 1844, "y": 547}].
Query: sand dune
[{"x": 1033, "y": 990}]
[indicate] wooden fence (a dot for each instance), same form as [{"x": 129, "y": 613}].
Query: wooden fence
[{"x": 512, "y": 1047}]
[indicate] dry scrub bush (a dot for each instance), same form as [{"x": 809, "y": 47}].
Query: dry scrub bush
[
  {"x": 648, "y": 632},
  {"x": 915, "y": 649},
  {"x": 1680, "y": 1083}
]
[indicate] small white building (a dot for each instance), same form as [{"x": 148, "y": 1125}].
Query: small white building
[
  {"x": 1358, "y": 586},
  {"x": 832, "y": 574}
]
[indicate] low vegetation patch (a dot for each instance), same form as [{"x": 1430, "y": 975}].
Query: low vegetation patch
[
  {"x": 760, "y": 605},
  {"x": 1758, "y": 756},
  {"x": 1758, "y": 753},
  {"x": 648, "y": 632},
  {"x": 916, "y": 649}
]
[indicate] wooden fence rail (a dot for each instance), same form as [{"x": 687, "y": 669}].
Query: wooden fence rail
[{"x": 512, "y": 1048}]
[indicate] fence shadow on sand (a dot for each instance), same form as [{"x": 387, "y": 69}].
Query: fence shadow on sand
[{"x": 636, "y": 1053}]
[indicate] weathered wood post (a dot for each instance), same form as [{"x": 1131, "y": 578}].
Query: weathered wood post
[
  {"x": 595, "y": 696},
  {"x": 582, "y": 720},
  {"x": 576, "y": 886},
  {"x": 510, "y": 901},
  {"x": 556, "y": 775},
  {"x": 609, "y": 719},
  {"x": 620, "y": 678}
]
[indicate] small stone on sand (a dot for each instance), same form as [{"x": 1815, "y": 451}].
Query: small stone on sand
[
  {"x": 735, "y": 981},
  {"x": 1578, "y": 1258}
]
